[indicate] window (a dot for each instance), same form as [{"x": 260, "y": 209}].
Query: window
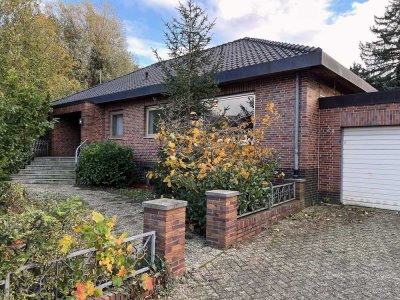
[
  {"x": 117, "y": 124},
  {"x": 237, "y": 108},
  {"x": 152, "y": 118}
]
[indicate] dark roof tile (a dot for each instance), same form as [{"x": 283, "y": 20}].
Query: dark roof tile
[{"x": 234, "y": 55}]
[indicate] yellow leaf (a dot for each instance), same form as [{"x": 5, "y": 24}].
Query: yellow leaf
[
  {"x": 120, "y": 240},
  {"x": 65, "y": 243},
  {"x": 90, "y": 288},
  {"x": 109, "y": 267},
  {"x": 97, "y": 217}
]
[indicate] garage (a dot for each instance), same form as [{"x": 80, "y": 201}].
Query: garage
[{"x": 371, "y": 167}]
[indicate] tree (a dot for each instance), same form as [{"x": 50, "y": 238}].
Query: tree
[
  {"x": 95, "y": 39},
  {"x": 34, "y": 68},
  {"x": 189, "y": 75},
  {"x": 29, "y": 43},
  {"x": 382, "y": 56}
]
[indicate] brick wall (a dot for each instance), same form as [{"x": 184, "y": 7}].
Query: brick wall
[
  {"x": 312, "y": 89},
  {"x": 224, "y": 227},
  {"x": 68, "y": 133},
  {"x": 331, "y": 124},
  {"x": 65, "y": 136},
  {"x": 254, "y": 224}
]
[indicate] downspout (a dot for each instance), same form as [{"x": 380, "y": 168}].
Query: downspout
[{"x": 296, "y": 127}]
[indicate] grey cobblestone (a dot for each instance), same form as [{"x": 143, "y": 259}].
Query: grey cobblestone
[{"x": 321, "y": 253}]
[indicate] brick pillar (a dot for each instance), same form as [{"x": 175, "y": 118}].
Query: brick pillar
[
  {"x": 300, "y": 189},
  {"x": 167, "y": 218},
  {"x": 221, "y": 218}
]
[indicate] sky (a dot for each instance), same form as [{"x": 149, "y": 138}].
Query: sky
[{"x": 337, "y": 26}]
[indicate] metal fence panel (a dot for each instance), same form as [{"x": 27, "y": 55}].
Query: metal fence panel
[
  {"x": 36, "y": 279},
  {"x": 271, "y": 196}
]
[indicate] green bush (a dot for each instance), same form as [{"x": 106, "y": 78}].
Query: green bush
[
  {"x": 30, "y": 229},
  {"x": 106, "y": 163}
]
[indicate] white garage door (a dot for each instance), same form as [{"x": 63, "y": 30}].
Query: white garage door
[{"x": 371, "y": 167}]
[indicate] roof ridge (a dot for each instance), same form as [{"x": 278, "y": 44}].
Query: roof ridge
[
  {"x": 282, "y": 44},
  {"x": 99, "y": 84}
]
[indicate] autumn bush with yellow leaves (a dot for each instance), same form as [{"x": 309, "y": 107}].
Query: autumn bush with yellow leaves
[
  {"x": 199, "y": 157},
  {"x": 41, "y": 231},
  {"x": 113, "y": 257}
]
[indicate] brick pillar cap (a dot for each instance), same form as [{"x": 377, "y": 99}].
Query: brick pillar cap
[
  {"x": 222, "y": 193},
  {"x": 164, "y": 204},
  {"x": 296, "y": 180}
]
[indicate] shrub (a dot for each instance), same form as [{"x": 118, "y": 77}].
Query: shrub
[
  {"x": 204, "y": 157},
  {"x": 106, "y": 163},
  {"x": 30, "y": 228},
  {"x": 38, "y": 231}
]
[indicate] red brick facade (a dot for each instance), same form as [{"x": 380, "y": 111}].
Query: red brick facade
[
  {"x": 332, "y": 122},
  {"x": 279, "y": 89}
]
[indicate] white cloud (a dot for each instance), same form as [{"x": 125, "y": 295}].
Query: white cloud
[
  {"x": 162, "y": 3},
  {"x": 143, "y": 48},
  {"x": 157, "y": 5},
  {"x": 299, "y": 21}
]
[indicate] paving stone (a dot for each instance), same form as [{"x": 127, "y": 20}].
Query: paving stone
[{"x": 353, "y": 256}]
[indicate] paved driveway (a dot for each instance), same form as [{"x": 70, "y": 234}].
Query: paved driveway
[{"x": 323, "y": 253}]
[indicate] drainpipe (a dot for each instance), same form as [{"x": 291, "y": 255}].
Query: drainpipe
[{"x": 296, "y": 127}]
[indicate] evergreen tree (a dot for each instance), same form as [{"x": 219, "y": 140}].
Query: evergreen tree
[
  {"x": 382, "y": 56},
  {"x": 189, "y": 75}
]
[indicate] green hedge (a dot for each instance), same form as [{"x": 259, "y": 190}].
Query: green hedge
[{"x": 106, "y": 163}]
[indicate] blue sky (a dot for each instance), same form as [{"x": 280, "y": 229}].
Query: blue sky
[{"x": 337, "y": 26}]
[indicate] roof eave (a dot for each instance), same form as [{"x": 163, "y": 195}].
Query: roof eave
[
  {"x": 343, "y": 72},
  {"x": 316, "y": 58}
]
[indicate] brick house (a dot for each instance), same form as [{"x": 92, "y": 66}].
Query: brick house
[{"x": 301, "y": 81}]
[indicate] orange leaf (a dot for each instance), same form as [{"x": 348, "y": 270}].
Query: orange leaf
[{"x": 121, "y": 272}]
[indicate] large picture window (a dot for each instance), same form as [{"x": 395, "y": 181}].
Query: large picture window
[
  {"x": 237, "y": 108},
  {"x": 153, "y": 114},
  {"x": 117, "y": 124}
]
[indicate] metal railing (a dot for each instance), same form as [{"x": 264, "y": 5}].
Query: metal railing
[
  {"x": 52, "y": 280},
  {"x": 271, "y": 196},
  {"x": 41, "y": 147},
  {"x": 78, "y": 152},
  {"x": 282, "y": 193}
]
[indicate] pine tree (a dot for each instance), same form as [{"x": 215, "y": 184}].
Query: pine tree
[
  {"x": 382, "y": 56},
  {"x": 189, "y": 75}
]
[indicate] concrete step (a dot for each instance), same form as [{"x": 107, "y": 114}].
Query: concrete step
[
  {"x": 45, "y": 181},
  {"x": 55, "y": 158},
  {"x": 44, "y": 176},
  {"x": 47, "y": 172},
  {"x": 48, "y": 168},
  {"x": 52, "y": 163}
]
